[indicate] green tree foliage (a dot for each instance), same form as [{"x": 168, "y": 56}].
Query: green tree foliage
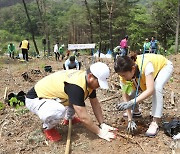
[
  {"x": 14, "y": 20},
  {"x": 5, "y": 3},
  {"x": 67, "y": 21},
  {"x": 139, "y": 28},
  {"x": 163, "y": 16},
  {"x": 120, "y": 22}
]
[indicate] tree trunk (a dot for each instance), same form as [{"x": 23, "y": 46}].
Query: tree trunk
[
  {"x": 90, "y": 21},
  {"x": 43, "y": 23},
  {"x": 32, "y": 32},
  {"x": 110, "y": 32},
  {"x": 73, "y": 32},
  {"x": 100, "y": 35},
  {"x": 110, "y": 24},
  {"x": 47, "y": 29},
  {"x": 177, "y": 29},
  {"x": 41, "y": 18}
]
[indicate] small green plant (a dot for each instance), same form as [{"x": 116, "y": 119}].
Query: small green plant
[
  {"x": 171, "y": 79},
  {"x": 127, "y": 87},
  {"x": 14, "y": 102},
  {"x": 42, "y": 65},
  {"x": 2, "y": 106},
  {"x": 21, "y": 111}
]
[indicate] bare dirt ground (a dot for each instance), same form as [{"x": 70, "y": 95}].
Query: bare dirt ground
[{"x": 21, "y": 131}]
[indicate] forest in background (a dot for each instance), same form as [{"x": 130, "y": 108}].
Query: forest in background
[{"x": 97, "y": 21}]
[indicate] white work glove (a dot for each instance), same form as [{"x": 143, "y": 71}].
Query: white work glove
[
  {"x": 104, "y": 134},
  {"x": 107, "y": 127},
  {"x": 125, "y": 105},
  {"x": 131, "y": 126}
]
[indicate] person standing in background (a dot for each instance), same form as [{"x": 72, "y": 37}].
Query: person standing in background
[
  {"x": 116, "y": 51},
  {"x": 11, "y": 50},
  {"x": 146, "y": 46},
  {"x": 61, "y": 52},
  {"x": 124, "y": 46},
  {"x": 24, "y": 45},
  {"x": 67, "y": 54},
  {"x": 56, "y": 51},
  {"x": 154, "y": 45}
]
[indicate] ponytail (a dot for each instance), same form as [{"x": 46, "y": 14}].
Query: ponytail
[{"x": 133, "y": 55}]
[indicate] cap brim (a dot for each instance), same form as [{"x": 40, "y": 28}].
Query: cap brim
[{"x": 103, "y": 84}]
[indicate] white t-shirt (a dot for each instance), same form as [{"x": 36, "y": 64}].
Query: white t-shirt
[
  {"x": 69, "y": 65},
  {"x": 56, "y": 48},
  {"x": 149, "y": 68}
]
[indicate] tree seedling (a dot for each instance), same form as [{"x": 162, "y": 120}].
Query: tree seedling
[
  {"x": 171, "y": 79},
  {"x": 2, "y": 106},
  {"x": 14, "y": 102}
]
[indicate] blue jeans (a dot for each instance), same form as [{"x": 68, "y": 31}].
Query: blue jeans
[
  {"x": 123, "y": 52},
  {"x": 154, "y": 51}
]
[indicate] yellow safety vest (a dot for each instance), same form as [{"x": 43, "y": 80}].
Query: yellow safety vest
[
  {"x": 24, "y": 44},
  {"x": 158, "y": 62},
  {"x": 52, "y": 86}
]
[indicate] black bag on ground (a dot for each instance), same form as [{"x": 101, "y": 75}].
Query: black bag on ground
[
  {"x": 21, "y": 96},
  {"x": 9, "y": 97},
  {"x": 172, "y": 128},
  {"x": 48, "y": 69}
]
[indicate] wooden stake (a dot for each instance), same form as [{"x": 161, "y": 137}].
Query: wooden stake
[
  {"x": 5, "y": 93},
  {"x": 68, "y": 137},
  {"x": 172, "y": 97},
  {"x": 109, "y": 98}
]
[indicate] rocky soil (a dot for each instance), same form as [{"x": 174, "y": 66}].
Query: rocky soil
[{"x": 21, "y": 131}]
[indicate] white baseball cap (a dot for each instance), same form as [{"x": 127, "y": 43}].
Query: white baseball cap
[{"x": 101, "y": 72}]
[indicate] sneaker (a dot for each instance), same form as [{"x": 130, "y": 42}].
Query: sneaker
[
  {"x": 152, "y": 130},
  {"x": 75, "y": 120},
  {"x": 135, "y": 114},
  {"x": 52, "y": 134}
]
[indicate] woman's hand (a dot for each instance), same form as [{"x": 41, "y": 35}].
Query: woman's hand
[{"x": 125, "y": 105}]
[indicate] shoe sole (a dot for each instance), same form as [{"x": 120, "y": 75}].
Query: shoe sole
[
  {"x": 151, "y": 136},
  {"x": 135, "y": 115}
]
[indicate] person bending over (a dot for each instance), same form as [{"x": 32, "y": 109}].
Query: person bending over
[
  {"x": 156, "y": 71},
  {"x": 72, "y": 63},
  {"x": 62, "y": 94},
  {"x": 11, "y": 50}
]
